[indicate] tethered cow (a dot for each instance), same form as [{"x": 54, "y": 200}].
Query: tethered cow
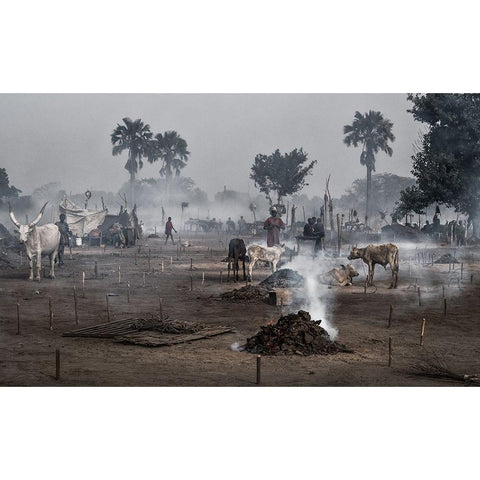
[
  {"x": 236, "y": 251},
  {"x": 43, "y": 240},
  {"x": 386, "y": 254}
]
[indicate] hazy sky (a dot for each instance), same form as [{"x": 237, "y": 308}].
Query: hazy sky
[{"x": 66, "y": 137}]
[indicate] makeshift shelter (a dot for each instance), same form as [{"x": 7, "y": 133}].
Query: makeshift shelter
[{"x": 80, "y": 220}]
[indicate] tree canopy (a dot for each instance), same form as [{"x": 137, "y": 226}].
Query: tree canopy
[
  {"x": 447, "y": 165},
  {"x": 284, "y": 174},
  {"x": 7, "y": 190}
]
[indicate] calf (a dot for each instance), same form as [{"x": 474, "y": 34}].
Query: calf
[
  {"x": 38, "y": 241},
  {"x": 269, "y": 254},
  {"x": 386, "y": 254},
  {"x": 341, "y": 276},
  {"x": 236, "y": 251}
]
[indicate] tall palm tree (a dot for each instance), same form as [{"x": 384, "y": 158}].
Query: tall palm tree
[
  {"x": 373, "y": 132},
  {"x": 171, "y": 148},
  {"x": 134, "y": 137}
]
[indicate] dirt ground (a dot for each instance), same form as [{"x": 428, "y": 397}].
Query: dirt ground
[{"x": 361, "y": 318}]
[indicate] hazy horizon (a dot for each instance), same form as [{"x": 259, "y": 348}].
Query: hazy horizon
[{"x": 65, "y": 138}]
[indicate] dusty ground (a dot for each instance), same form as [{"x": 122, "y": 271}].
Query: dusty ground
[{"x": 29, "y": 358}]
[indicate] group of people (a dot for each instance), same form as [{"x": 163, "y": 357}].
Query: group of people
[{"x": 315, "y": 228}]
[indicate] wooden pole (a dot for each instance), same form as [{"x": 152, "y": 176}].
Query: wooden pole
[
  {"x": 191, "y": 283},
  {"x": 443, "y": 291},
  {"x": 461, "y": 271},
  {"x": 162, "y": 266},
  {"x": 50, "y": 310},
  {"x": 444, "y": 306},
  {"x": 259, "y": 358},
  {"x": 422, "y": 332},
  {"x": 83, "y": 284},
  {"x": 203, "y": 279},
  {"x": 75, "y": 304},
  {"x": 128, "y": 292},
  {"x": 18, "y": 318},
  {"x": 390, "y": 316},
  {"x": 119, "y": 274},
  {"x": 57, "y": 364},
  {"x": 171, "y": 260},
  {"x": 160, "y": 304},
  {"x": 108, "y": 308},
  {"x": 144, "y": 279},
  {"x": 365, "y": 288},
  {"x": 419, "y": 299},
  {"x": 96, "y": 269},
  {"x": 191, "y": 264},
  {"x": 339, "y": 232},
  {"x": 390, "y": 352}
]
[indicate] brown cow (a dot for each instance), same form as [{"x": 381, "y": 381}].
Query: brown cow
[
  {"x": 341, "y": 276},
  {"x": 386, "y": 254}
]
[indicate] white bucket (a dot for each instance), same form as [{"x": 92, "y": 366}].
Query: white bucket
[{"x": 78, "y": 241}]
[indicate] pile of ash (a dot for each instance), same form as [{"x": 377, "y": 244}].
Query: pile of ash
[
  {"x": 447, "y": 258},
  {"x": 247, "y": 293},
  {"x": 285, "y": 278},
  {"x": 293, "y": 334},
  {"x": 174, "y": 326}
]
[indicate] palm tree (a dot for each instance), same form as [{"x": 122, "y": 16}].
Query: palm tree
[
  {"x": 134, "y": 137},
  {"x": 172, "y": 150},
  {"x": 373, "y": 132}
]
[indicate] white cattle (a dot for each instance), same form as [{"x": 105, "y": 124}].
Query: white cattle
[
  {"x": 341, "y": 276},
  {"x": 38, "y": 241},
  {"x": 268, "y": 254}
]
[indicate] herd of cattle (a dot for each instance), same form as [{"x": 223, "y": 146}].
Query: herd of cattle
[
  {"x": 44, "y": 241},
  {"x": 386, "y": 254}
]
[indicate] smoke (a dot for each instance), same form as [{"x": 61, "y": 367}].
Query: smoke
[{"x": 312, "y": 295}]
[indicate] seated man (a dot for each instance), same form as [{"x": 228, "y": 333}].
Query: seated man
[{"x": 308, "y": 228}]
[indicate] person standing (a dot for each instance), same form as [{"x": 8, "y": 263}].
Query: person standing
[
  {"x": 319, "y": 232},
  {"x": 64, "y": 237},
  {"x": 273, "y": 225},
  {"x": 168, "y": 230}
]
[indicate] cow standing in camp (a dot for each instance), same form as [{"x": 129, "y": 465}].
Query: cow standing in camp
[
  {"x": 237, "y": 251},
  {"x": 38, "y": 241},
  {"x": 386, "y": 254}
]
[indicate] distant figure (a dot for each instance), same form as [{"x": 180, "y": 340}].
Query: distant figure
[
  {"x": 242, "y": 225},
  {"x": 308, "y": 228},
  {"x": 168, "y": 230},
  {"x": 64, "y": 237},
  {"x": 460, "y": 233},
  {"x": 319, "y": 232},
  {"x": 230, "y": 225},
  {"x": 273, "y": 225}
]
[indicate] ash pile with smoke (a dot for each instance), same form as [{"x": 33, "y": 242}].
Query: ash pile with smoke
[{"x": 311, "y": 289}]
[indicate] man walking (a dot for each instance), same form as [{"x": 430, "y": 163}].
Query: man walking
[
  {"x": 168, "y": 230},
  {"x": 64, "y": 237}
]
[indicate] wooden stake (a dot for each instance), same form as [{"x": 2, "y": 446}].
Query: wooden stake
[
  {"x": 444, "y": 306},
  {"x": 57, "y": 364},
  {"x": 461, "y": 271},
  {"x": 96, "y": 269},
  {"x": 119, "y": 274},
  {"x": 443, "y": 291},
  {"x": 75, "y": 303},
  {"x": 83, "y": 284},
  {"x": 160, "y": 304},
  {"x": 50, "y": 312},
  {"x": 171, "y": 260},
  {"x": 191, "y": 283},
  {"x": 390, "y": 316},
  {"x": 18, "y": 318},
  {"x": 108, "y": 308},
  {"x": 365, "y": 288},
  {"x": 390, "y": 351},
  {"x": 128, "y": 292},
  {"x": 259, "y": 358},
  {"x": 422, "y": 332},
  {"x": 144, "y": 279},
  {"x": 191, "y": 264},
  {"x": 419, "y": 299},
  {"x": 162, "y": 266},
  {"x": 203, "y": 279}
]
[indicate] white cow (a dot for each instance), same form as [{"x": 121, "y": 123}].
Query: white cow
[
  {"x": 269, "y": 254},
  {"x": 43, "y": 240}
]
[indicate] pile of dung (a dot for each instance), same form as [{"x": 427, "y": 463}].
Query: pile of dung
[
  {"x": 247, "y": 293},
  {"x": 284, "y": 278},
  {"x": 447, "y": 258},
  {"x": 175, "y": 326},
  {"x": 295, "y": 333}
]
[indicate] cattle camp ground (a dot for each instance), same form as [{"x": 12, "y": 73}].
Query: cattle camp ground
[{"x": 76, "y": 330}]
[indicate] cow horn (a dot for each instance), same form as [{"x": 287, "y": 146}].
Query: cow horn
[
  {"x": 12, "y": 216},
  {"x": 39, "y": 216}
]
